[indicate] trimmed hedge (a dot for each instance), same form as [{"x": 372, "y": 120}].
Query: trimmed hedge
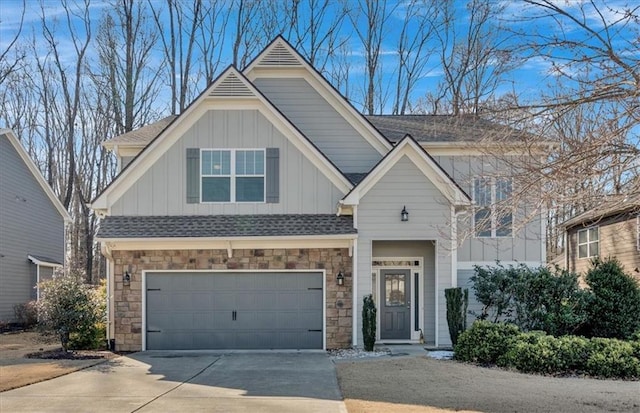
[
  {"x": 485, "y": 342},
  {"x": 535, "y": 352}
]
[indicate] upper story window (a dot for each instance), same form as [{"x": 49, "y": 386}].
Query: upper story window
[
  {"x": 493, "y": 216},
  {"x": 588, "y": 242},
  {"x": 233, "y": 175}
]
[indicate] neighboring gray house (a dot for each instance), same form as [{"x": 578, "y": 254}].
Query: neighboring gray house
[
  {"x": 261, "y": 216},
  {"x": 32, "y": 227}
]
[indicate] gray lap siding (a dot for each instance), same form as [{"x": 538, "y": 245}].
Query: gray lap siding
[{"x": 128, "y": 299}]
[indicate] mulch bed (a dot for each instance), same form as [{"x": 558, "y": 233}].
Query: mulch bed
[{"x": 60, "y": 354}]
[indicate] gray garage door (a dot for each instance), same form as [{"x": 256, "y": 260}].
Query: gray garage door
[{"x": 195, "y": 311}]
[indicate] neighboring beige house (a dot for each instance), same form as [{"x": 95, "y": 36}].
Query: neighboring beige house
[
  {"x": 261, "y": 216},
  {"x": 609, "y": 230}
]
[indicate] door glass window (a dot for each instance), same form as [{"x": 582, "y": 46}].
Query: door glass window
[{"x": 394, "y": 290}]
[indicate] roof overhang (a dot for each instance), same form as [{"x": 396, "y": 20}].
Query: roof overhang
[
  {"x": 44, "y": 261},
  {"x": 233, "y": 243}
]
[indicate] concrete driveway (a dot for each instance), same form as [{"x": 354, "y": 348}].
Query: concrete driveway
[{"x": 185, "y": 381}]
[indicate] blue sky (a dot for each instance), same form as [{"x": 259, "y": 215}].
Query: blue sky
[{"x": 534, "y": 76}]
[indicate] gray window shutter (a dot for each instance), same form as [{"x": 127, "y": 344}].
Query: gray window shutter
[
  {"x": 193, "y": 175},
  {"x": 273, "y": 176}
]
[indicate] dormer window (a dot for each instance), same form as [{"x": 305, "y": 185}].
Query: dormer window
[{"x": 232, "y": 175}]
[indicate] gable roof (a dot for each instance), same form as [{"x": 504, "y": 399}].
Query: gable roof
[
  {"x": 444, "y": 128},
  {"x": 612, "y": 205},
  {"x": 13, "y": 139},
  {"x": 230, "y": 90},
  {"x": 140, "y": 136},
  {"x": 280, "y": 54},
  {"x": 429, "y": 167}
]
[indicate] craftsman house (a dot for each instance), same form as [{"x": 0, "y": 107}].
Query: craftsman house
[{"x": 261, "y": 216}]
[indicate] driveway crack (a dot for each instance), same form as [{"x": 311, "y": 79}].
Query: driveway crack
[{"x": 176, "y": 387}]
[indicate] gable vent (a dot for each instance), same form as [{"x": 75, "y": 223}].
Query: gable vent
[
  {"x": 231, "y": 86},
  {"x": 279, "y": 55}
]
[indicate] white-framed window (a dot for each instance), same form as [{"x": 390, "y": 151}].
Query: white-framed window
[
  {"x": 232, "y": 175},
  {"x": 588, "y": 242},
  {"x": 493, "y": 216}
]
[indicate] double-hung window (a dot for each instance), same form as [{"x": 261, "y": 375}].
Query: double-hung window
[
  {"x": 588, "y": 242},
  {"x": 493, "y": 215},
  {"x": 233, "y": 175}
]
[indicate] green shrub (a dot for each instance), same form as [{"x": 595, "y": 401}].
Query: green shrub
[
  {"x": 614, "y": 307},
  {"x": 70, "y": 308},
  {"x": 540, "y": 353},
  {"x": 612, "y": 358},
  {"x": 531, "y": 298},
  {"x": 485, "y": 342},
  {"x": 26, "y": 314},
  {"x": 369, "y": 322},
  {"x": 457, "y": 304}
]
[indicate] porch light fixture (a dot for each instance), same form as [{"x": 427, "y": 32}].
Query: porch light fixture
[
  {"x": 126, "y": 278},
  {"x": 340, "y": 278},
  {"x": 404, "y": 215}
]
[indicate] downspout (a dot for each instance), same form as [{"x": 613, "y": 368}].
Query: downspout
[
  {"x": 109, "y": 272},
  {"x": 354, "y": 283}
]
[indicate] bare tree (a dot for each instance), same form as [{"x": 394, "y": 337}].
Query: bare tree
[
  {"x": 473, "y": 58},
  {"x": 413, "y": 49},
  {"x": 125, "y": 43},
  {"x": 247, "y": 38},
  {"x": 369, "y": 19},
  {"x": 210, "y": 39},
  {"x": 179, "y": 47},
  {"x": 11, "y": 58}
]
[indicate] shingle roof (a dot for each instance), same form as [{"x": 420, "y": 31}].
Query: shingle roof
[
  {"x": 43, "y": 259},
  {"x": 442, "y": 128},
  {"x": 616, "y": 204},
  {"x": 143, "y": 135},
  {"x": 223, "y": 226},
  {"x": 355, "y": 177}
]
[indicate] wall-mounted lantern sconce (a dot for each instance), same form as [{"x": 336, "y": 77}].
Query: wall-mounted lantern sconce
[
  {"x": 404, "y": 215},
  {"x": 340, "y": 278},
  {"x": 126, "y": 278}
]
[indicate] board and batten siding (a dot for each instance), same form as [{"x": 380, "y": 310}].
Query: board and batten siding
[
  {"x": 429, "y": 218},
  {"x": 29, "y": 224},
  {"x": 161, "y": 190},
  {"x": 527, "y": 242},
  {"x": 320, "y": 122}
]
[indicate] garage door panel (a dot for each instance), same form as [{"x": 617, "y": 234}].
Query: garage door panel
[
  {"x": 234, "y": 310},
  {"x": 223, "y": 301}
]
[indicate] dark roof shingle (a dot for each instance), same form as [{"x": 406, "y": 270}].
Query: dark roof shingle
[
  {"x": 443, "y": 128},
  {"x": 224, "y": 226}
]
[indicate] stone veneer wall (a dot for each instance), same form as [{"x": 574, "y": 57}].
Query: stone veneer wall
[{"x": 128, "y": 299}]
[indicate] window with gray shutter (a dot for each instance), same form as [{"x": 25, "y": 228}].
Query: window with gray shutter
[
  {"x": 273, "y": 175},
  {"x": 193, "y": 175}
]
